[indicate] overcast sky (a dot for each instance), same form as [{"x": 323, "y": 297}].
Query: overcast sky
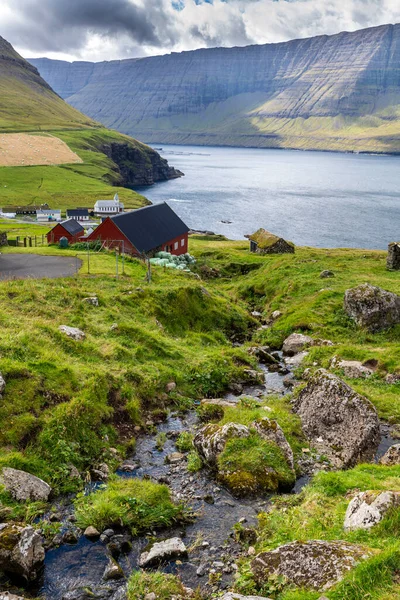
[{"x": 109, "y": 29}]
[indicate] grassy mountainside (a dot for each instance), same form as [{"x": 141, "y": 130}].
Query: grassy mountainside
[
  {"x": 338, "y": 92},
  {"x": 110, "y": 160},
  {"x": 68, "y": 402}
]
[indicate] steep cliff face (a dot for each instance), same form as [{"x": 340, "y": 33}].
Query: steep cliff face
[{"x": 339, "y": 91}]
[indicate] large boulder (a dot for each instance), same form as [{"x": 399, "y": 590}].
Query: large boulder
[
  {"x": 369, "y": 508},
  {"x": 24, "y": 486},
  {"x": 9, "y": 596},
  {"x": 354, "y": 369},
  {"x": 372, "y": 307},
  {"x": 392, "y": 456},
  {"x": 211, "y": 440},
  {"x": 339, "y": 422},
  {"x": 314, "y": 564},
  {"x": 270, "y": 430},
  {"x": 21, "y": 551},
  {"x": 295, "y": 343},
  {"x": 162, "y": 552}
]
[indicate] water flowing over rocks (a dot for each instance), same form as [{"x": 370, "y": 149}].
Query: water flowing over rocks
[
  {"x": 339, "y": 422},
  {"x": 372, "y": 307},
  {"x": 392, "y": 456},
  {"x": 72, "y": 332},
  {"x": 171, "y": 549},
  {"x": 24, "y": 486},
  {"x": 369, "y": 508},
  {"x": 314, "y": 564},
  {"x": 21, "y": 551}
]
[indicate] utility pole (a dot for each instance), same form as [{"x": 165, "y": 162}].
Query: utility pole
[{"x": 88, "y": 258}]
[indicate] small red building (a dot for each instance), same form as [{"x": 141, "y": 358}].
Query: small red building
[
  {"x": 70, "y": 229},
  {"x": 144, "y": 231}
]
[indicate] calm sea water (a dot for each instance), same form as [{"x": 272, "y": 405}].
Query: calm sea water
[{"x": 312, "y": 198}]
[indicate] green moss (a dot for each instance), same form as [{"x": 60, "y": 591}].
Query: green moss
[
  {"x": 134, "y": 503},
  {"x": 252, "y": 465}
]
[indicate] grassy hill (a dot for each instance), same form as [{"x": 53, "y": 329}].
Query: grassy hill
[{"x": 28, "y": 104}]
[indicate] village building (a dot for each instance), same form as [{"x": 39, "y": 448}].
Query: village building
[
  {"x": 78, "y": 214},
  {"x": 144, "y": 231},
  {"x": 70, "y": 229},
  {"x": 104, "y": 208},
  {"x": 264, "y": 242},
  {"x": 44, "y": 215}
]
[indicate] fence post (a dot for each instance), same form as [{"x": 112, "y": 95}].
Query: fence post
[
  {"x": 88, "y": 258},
  {"x": 116, "y": 263}
]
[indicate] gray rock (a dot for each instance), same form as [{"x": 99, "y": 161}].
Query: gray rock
[
  {"x": 211, "y": 440},
  {"x": 270, "y": 430},
  {"x": 21, "y": 551},
  {"x": 101, "y": 473},
  {"x": 2, "y": 384},
  {"x": 170, "y": 387},
  {"x": 327, "y": 274},
  {"x": 392, "y": 378},
  {"x": 93, "y": 300},
  {"x": 393, "y": 259},
  {"x": 24, "y": 486},
  {"x": 120, "y": 594},
  {"x": 91, "y": 532},
  {"x": 218, "y": 402},
  {"x": 392, "y": 456},
  {"x": 161, "y": 552},
  {"x": 371, "y": 307},
  {"x": 296, "y": 342},
  {"x": 354, "y": 369},
  {"x": 113, "y": 571},
  {"x": 276, "y": 314},
  {"x": 9, "y": 596},
  {"x": 314, "y": 564},
  {"x": 340, "y": 423},
  {"x": 72, "y": 332},
  {"x": 263, "y": 355},
  {"x": 174, "y": 458},
  {"x": 296, "y": 360},
  {"x": 369, "y": 508}
]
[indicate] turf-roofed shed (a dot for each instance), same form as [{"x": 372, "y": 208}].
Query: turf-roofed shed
[
  {"x": 264, "y": 242},
  {"x": 144, "y": 231},
  {"x": 70, "y": 229}
]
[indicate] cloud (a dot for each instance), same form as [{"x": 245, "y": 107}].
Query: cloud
[{"x": 108, "y": 29}]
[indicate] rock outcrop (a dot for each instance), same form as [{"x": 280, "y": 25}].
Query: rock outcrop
[
  {"x": 24, "y": 486},
  {"x": 314, "y": 564},
  {"x": 72, "y": 332},
  {"x": 161, "y": 552},
  {"x": 354, "y": 369},
  {"x": 264, "y": 242},
  {"x": 369, "y": 508},
  {"x": 260, "y": 95},
  {"x": 372, "y": 307},
  {"x": 340, "y": 423},
  {"x": 21, "y": 551},
  {"x": 392, "y": 456}
]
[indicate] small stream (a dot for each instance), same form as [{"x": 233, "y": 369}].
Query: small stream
[{"x": 75, "y": 571}]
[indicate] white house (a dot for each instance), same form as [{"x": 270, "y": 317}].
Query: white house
[
  {"x": 45, "y": 215},
  {"x": 108, "y": 207}
]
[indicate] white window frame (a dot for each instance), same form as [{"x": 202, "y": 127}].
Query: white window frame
[
  {"x": 176, "y": 246},
  {"x": 182, "y": 242}
]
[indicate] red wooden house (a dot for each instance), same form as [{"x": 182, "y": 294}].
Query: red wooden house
[
  {"x": 70, "y": 229},
  {"x": 144, "y": 231}
]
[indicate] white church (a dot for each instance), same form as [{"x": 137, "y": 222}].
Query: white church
[{"x": 104, "y": 208}]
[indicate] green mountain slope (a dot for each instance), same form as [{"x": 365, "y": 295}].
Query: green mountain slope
[
  {"x": 110, "y": 160},
  {"x": 338, "y": 92}
]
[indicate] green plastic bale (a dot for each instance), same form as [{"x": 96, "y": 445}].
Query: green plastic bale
[{"x": 171, "y": 265}]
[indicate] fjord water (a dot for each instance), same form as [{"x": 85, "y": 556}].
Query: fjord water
[{"x": 326, "y": 200}]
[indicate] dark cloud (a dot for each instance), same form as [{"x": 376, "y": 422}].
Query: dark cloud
[{"x": 66, "y": 25}]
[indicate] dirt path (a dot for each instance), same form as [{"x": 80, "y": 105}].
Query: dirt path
[{"x": 23, "y": 149}]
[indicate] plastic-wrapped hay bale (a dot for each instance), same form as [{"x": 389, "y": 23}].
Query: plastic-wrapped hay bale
[
  {"x": 154, "y": 261},
  {"x": 171, "y": 265},
  {"x": 158, "y": 255},
  {"x": 163, "y": 262}
]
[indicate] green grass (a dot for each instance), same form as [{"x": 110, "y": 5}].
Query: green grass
[
  {"x": 162, "y": 585},
  {"x": 137, "y": 504}
]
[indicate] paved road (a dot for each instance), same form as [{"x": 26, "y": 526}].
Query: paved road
[{"x": 37, "y": 266}]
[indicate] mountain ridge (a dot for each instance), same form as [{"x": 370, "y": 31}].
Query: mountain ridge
[{"x": 338, "y": 92}]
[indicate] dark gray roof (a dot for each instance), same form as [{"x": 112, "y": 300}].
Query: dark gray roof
[
  {"x": 149, "y": 227},
  {"x": 72, "y": 226},
  {"x": 77, "y": 212}
]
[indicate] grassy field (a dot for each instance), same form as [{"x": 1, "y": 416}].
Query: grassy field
[{"x": 66, "y": 403}]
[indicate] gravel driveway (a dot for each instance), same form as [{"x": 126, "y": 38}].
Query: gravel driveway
[{"x": 37, "y": 266}]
